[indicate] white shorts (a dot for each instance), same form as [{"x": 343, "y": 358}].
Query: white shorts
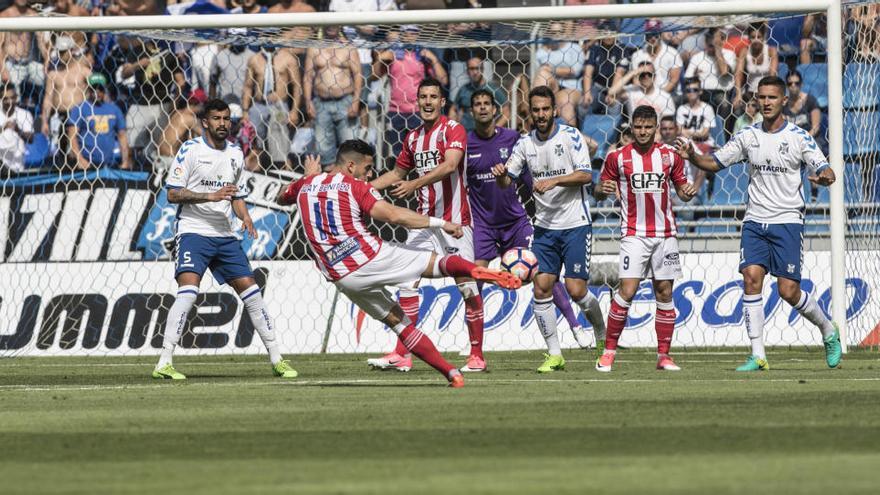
[
  {"x": 650, "y": 257},
  {"x": 393, "y": 265},
  {"x": 440, "y": 242}
]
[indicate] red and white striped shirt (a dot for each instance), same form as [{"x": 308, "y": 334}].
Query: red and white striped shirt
[
  {"x": 644, "y": 184},
  {"x": 332, "y": 208},
  {"x": 424, "y": 149}
]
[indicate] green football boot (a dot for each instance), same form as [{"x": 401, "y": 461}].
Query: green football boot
[
  {"x": 284, "y": 370},
  {"x": 552, "y": 363},
  {"x": 754, "y": 363},
  {"x": 600, "y": 347},
  {"x": 168, "y": 372},
  {"x": 833, "y": 351}
]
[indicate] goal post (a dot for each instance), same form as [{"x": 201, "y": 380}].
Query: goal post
[{"x": 518, "y": 30}]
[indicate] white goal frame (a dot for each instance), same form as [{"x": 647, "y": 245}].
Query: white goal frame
[{"x": 834, "y": 60}]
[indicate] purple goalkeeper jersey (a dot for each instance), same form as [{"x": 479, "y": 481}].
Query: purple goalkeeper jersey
[{"x": 491, "y": 205}]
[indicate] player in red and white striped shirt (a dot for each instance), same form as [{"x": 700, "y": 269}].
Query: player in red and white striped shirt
[
  {"x": 642, "y": 175},
  {"x": 333, "y": 207},
  {"x": 435, "y": 150}
]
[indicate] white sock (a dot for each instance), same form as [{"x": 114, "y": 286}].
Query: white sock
[
  {"x": 590, "y": 307},
  {"x": 253, "y": 303},
  {"x": 808, "y": 308},
  {"x": 545, "y": 316},
  {"x": 753, "y": 316},
  {"x": 176, "y": 322}
]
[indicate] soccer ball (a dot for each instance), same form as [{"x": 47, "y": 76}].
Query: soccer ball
[{"x": 520, "y": 262}]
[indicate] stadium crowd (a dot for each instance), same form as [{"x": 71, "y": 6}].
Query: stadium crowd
[{"x": 84, "y": 100}]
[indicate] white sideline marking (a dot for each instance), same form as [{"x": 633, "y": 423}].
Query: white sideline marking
[{"x": 437, "y": 381}]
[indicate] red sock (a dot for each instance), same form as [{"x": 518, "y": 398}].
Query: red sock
[
  {"x": 424, "y": 349},
  {"x": 664, "y": 325},
  {"x": 616, "y": 322},
  {"x": 456, "y": 266},
  {"x": 473, "y": 310},
  {"x": 410, "y": 307}
]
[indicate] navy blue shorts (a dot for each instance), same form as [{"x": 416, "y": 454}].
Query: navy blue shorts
[
  {"x": 568, "y": 247},
  {"x": 223, "y": 255},
  {"x": 490, "y": 243},
  {"x": 776, "y": 247}
]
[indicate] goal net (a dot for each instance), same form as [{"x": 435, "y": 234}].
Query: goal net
[{"x": 92, "y": 122}]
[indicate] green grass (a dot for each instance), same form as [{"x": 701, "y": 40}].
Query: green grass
[{"x": 87, "y": 425}]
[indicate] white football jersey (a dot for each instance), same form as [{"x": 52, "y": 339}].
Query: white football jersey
[
  {"x": 775, "y": 162},
  {"x": 562, "y": 207},
  {"x": 199, "y": 167}
]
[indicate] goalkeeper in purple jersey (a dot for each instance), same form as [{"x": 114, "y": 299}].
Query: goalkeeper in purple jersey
[{"x": 499, "y": 220}]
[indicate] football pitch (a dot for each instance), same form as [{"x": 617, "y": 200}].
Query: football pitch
[{"x": 102, "y": 425}]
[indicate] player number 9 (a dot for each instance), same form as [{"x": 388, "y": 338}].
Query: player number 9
[{"x": 626, "y": 262}]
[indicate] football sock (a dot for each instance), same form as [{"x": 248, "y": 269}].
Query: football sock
[
  {"x": 409, "y": 303},
  {"x": 616, "y": 321},
  {"x": 545, "y": 316},
  {"x": 456, "y": 266},
  {"x": 562, "y": 301},
  {"x": 664, "y": 325},
  {"x": 590, "y": 307},
  {"x": 808, "y": 308},
  {"x": 424, "y": 349},
  {"x": 176, "y": 322},
  {"x": 473, "y": 309},
  {"x": 256, "y": 308},
  {"x": 753, "y": 316}
]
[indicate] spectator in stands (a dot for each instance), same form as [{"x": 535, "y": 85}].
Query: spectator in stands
[
  {"x": 695, "y": 118},
  {"x": 864, "y": 34},
  {"x": 669, "y": 132},
  {"x": 751, "y": 115},
  {"x": 406, "y": 65},
  {"x": 603, "y": 66},
  {"x": 787, "y": 33},
  {"x": 815, "y": 39},
  {"x": 244, "y": 135},
  {"x": 17, "y": 126},
  {"x": 229, "y": 70},
  {"x": 457, "y": 58},
  {"x": 624, "y": 138},
  {"x": 332, "y": 87},
  {"x": 248, "y": 7},
  {"x": 46, "y": 40},
  {"x": 714, "y": 67},
  {"x": 461, "y": 101},
  {"x": 267, "y": 99},
  {"x": 665, "y": 59},
  {"x": 183, "y": 124},
  {"x": 642, "y": 92},
  {"x": 561, "y": 64},
  {"x": 65, "y": 89},
  {"x": 802, "y": 109},
  {"x": 298, "y": 33},
  {"x": 153, "y": 79},
  {"x": 96, "y": 130},
  {"x": 16, "y": 50},
  {"x": 753, "y": 63}
]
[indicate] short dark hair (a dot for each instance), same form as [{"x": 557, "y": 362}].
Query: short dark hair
[
  {"x": 483, "y": 92},
  {"x": 644, "y": 112},
  {"x": 7, "y": 86},
  {"x": 692, "y": 80},
  {"x": 795, "y": 73},
  {"x": 772, "y": 81},
  {"x": 757, "y": 27},
  {"x": 214, "y": 105},
  {"x": 543, "y": 92},
  {"x": 353, "y": 146},
  {"x": 428, "y": 82},
  {"x": 668, "y": 118}
]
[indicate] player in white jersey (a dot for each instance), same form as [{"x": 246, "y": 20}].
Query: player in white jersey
[
  {"x": 206, "y": 183},
  {"x": 559, "y": 162},
  {"x": 773, "y": 227}
]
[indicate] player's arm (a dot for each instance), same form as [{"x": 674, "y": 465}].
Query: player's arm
[
  {"x": 447, "y": 167},
  {"x": 388, "y": 213},
  {"x": 607, "y": 179},
  {"x": 241, "y": 211},
  {"x": 392, "y": 176},
  {"x": 182, "y": 195},
  {"x": 685, "y": 190},
  {"x": 685, "y": 148}
]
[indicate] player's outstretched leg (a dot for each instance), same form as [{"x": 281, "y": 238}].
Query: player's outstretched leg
[
  {"x": 256, "y": 308},
  {"x": 590, "y": 307},
  {"x": 664, "y": 325},
  {"x": 174, "y": 325},
  {"x": 616, "y": 321},
  {"x": 808, "y": 308},
  {"x": 421, "y": 345},
  {"x": 400, "y": 358},
  {"x": 545, "y": 316},
  {"x": 562, "y": 301},
  {"x": 753, "y": 316}
]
